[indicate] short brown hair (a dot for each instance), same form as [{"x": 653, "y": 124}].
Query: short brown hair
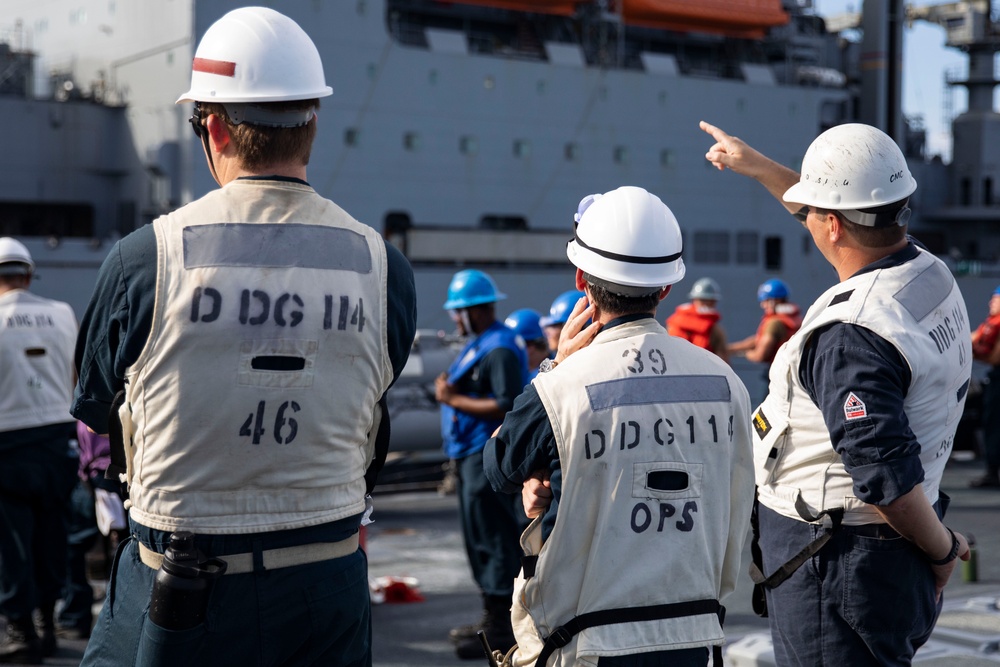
[
  {"x": 15, "y": 280},
  {"x": 260, "y": 146},
  {"x": 619, "y": 304}
]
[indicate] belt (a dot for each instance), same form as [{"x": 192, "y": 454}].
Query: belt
[
  {"x": 273, "y": 559},
  {"x": 880, "y": 530}
]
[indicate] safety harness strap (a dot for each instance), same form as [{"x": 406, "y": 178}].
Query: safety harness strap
[
  {"x": 758, "y": 599},
  {"x": 562, "y": 635},
  {"x": 831, "y": 523}
]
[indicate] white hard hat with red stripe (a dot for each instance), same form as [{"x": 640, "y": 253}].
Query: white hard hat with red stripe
[{"x": 254, "y": 55}]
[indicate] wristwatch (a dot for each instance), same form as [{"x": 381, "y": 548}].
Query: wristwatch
[{"x": 547, "y": 365}]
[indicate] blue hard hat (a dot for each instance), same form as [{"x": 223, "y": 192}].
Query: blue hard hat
[
  {"x": 471, "y": 288},
  {"x": 562, "y": 307},
  {"x": 525, "y": 324},
  {"x": 996, "y": 292},
  {"x": 772, "y": 289}
]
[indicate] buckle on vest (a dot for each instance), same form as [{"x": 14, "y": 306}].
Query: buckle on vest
[{"x": 559, "y": 637}]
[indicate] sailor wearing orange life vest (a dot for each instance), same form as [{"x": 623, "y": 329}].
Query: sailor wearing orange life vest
[
  {"x": 697, "y": 321},
  {"x": 986, "y": 348},
  {"x": 781, "y": 319}
]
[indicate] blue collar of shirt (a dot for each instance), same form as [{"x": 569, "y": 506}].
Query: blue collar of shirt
[
  {"x": 284, "y": 179},
  {"x": 895, "y": 259}
]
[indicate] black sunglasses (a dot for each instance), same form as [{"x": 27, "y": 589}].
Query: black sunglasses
[
  {"x": 801, "y": 215},
  {"x": 195, "y": 120}
]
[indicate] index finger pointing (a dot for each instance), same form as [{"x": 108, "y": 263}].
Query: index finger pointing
[{"x": 716, "y": 133}]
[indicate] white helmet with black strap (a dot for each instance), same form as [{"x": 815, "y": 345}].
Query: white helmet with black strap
[
  {"x": 627, "y": 241},
  {"x": 858, "y": 171}
]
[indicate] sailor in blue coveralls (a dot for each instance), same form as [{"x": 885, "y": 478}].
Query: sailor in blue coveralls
[
  {"x": 475, "y": 394},
  {"x": 526, "y": 324}
]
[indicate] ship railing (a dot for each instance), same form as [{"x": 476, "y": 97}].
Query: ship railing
[
  {"x": 975, "y": 268},
  {"x": 459, "y": 246}
]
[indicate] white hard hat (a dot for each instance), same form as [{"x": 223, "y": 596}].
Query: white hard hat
[
  {"x": 14, "y": 257},
  {"x": 705, "y": 288},
  {"x": 255, "y": 54},
  {"x": 853, "y": 166},
  {"x": 629, "y": 238}
]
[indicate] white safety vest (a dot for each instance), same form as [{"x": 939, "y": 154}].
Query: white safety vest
[
  {"x": 251, "y": 404},
  {"x": 37, "y": 338},
  {"x": 918, "y": 308},
  {"x": 654, "y": 445}
]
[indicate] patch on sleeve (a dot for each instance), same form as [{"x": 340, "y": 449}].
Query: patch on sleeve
[
  {"x": 854, "y": 407},
  {"x": 760, "y": 424}
]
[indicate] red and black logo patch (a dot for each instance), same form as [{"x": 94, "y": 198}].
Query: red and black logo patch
[{"x": 854, "y": 407}]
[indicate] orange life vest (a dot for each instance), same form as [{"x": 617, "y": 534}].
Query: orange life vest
[
  {"x": 788, "y": 314},
  {"x": 693, "y": 324},
  {"x": 986, "y": 336}
]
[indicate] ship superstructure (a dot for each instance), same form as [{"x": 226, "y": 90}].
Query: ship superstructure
[{"x": 468, "y": 131}]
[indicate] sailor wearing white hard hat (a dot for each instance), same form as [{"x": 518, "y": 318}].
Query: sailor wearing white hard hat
[
  {"x": 861, "y": 413},
  {"x": 250, "y": 337},
  {"x": 37, "y": 337},
  {"x": 616, "y": 439},
  {"x": 15, "y": 258}
]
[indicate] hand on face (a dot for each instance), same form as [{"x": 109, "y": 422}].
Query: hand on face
[{"x": 574, "y": 335}]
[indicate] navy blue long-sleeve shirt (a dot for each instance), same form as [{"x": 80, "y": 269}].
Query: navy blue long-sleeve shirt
[{"x": 881, "y": 453}]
